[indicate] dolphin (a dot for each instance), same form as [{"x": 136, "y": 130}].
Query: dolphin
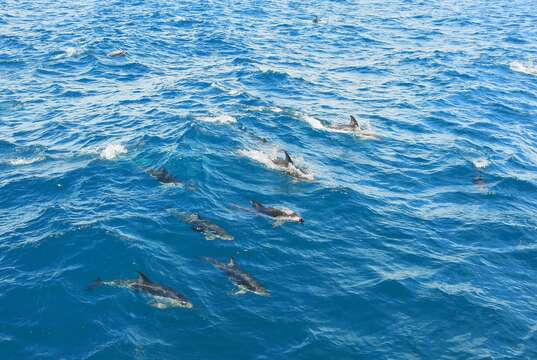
[
  {"x": 285, "y": 162},
  {"x": 316, "y": 19},
  {"x": 163, "y": 297},
  {"x": 352, "y": 126},
  {"x": 287, "y": 165},
  {"x": 163, "y": 176},
  {"x": 244, "y": 281},
  {"x": 280, "y": 215},
  {"x": 210, "y": 231}
]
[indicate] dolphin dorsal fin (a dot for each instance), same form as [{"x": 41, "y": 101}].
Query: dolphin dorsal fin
[
  {"x": 256, "y": 204},
  {"x": 142, "y": 278},
  {"x": 354, "y": 122},
  {"x": 288, "y": 159},
  {"x": 231, "y": 262}
]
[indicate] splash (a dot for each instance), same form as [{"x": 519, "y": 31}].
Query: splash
[
  {"x": 481, "y": 163},
  {"x": 220, "y": 119},
  {"x": 529, "y": 68},
  {"x": 112, "y": 151},
  {"x": 68, "y": 52}
]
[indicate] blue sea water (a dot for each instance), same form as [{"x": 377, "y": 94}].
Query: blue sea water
[{"x": 419, "y": 243}]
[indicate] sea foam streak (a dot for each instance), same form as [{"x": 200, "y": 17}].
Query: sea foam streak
[{"x": 24, "y": 161}]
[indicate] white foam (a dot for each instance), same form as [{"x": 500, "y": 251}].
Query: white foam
[
  {"x": 219, "y": 119},
  {"x": 117, "y": 53},
  {"x": 481, "y": 163},
  {"x": 526, "y": 68},
  {"x": 24, "y": 161},
  {"x": 266, "y": 160},
  {"x": 112, "y": 151}
]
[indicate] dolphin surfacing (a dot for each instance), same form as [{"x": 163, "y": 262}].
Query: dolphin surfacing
[
  {"x": 288, "y": 166},
  {"x": 280, "y": 215},
  {"x": 244, "y": 281},
  {"x": 163, "y": 297}
]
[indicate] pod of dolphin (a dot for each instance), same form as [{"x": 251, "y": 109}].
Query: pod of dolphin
[{"x": 163, "y": 297}]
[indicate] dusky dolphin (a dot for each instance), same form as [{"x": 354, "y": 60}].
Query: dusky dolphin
[
  {"x": 210, "y": 230},
  {"x": 353, "y": 125},
  {"x": 287, "y": 165},
  {"x": 244, "y": 281},
  {"x": 163, "y": 297},
  {"x": 280, "y": 215},
  {"x": 163, "y": 176},
  {"x": 285, "y": 162}
]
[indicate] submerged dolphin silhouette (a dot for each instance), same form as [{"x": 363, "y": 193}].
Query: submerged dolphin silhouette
[
  {"x": 163, "y": 176},
  {"x": 210, "y": 231},
  {"x": 163, "y": 297},
  {"x": 244, "y": 281}
]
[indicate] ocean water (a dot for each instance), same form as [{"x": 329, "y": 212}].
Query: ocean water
[{"x": 419, "y": 239}]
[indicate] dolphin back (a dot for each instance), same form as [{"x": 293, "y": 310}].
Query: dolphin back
[{"x": 256, "y": 204}]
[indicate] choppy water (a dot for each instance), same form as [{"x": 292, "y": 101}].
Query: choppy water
[{"x": 420, "y": 244}]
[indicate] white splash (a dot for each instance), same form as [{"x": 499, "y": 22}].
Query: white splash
[
  {"x": 219, "y": 119},
  {"x": 71, "y": 51},
  {"x": 481, "y": 163},
  {"x": 529, "y": 68},
  {"x": 266, "y": 159},
  {"x": 112, "y": 151},
  {"x": 68, "y": 52},
  {"x": 24, "y": 161}
]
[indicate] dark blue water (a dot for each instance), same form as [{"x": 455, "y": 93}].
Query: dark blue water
[{"x": 419, "y": 240}]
